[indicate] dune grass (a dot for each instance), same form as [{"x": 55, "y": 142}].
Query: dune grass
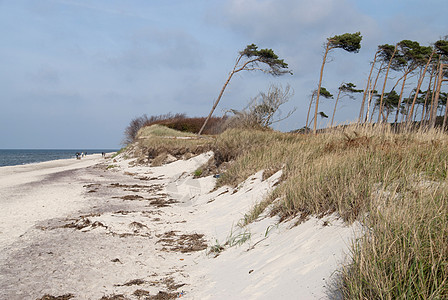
[
  {"x": 160, "y": 130},
  {"x": 404, "y": 253},
  {"x": 157, "y": 139},
  {"x": 394, "y": 183}
]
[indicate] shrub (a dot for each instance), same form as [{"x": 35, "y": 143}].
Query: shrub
[
  {"x": 132, "y": 129},
  {"x": 263, "y": 110}
]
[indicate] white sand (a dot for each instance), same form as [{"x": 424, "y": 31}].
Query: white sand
[
  {"x": 119, "y": 241},
  {"x": 35, "y": 192}
]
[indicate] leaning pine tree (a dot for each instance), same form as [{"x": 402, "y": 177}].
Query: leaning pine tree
[
  {"x": 350, "y": 42},
  {"x": 346, "y": 89},
  {"x": 252, "y": 59},
  {"x": 387, "y": 54},
  {"x": 441, "y": 47},
  {"x": 323, "y": 92},
  {"x": 412, "y": 55}
]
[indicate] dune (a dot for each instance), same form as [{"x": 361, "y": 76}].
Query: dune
[{"x": 105, "y": 229}]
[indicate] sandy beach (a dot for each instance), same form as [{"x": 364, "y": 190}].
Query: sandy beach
[{"x": 105, "y": 229}]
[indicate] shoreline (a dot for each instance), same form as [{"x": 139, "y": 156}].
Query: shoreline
[
  {"x": 91, "y": 232},
  {"x": 27, "y": 191},
  {"x": 51, "y": 160}
]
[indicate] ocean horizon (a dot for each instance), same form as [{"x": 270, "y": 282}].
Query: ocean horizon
[{"x": 14, "y": 157}]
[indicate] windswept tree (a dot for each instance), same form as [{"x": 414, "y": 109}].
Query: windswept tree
[
  {"x": 252, "y": 59},
  {"x": 371, "y": 92},
  {"x": 430, "y": 113},
  {"x": 350, "y": 42},
  {"x": 367, "y": 89},
  {"x": 325, "y": 93},
  {"x": 390, "y": 103},
  {"x": 428, "y": 60},
  {"x": 346, "y": 89},
  {"x": 411, "y": 55},
  {"x": 441, "y": 47},
  {"x": 422, "y": 101},
  {"x": 387, "y": 54}
]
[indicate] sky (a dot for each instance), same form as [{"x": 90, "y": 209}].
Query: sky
[{"x": 74, "y": 73}]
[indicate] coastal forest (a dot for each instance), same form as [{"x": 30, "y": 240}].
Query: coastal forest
[{"x": 386, "y": 170}]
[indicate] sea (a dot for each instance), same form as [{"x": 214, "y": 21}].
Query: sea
[{"x": 14, "y": 157}]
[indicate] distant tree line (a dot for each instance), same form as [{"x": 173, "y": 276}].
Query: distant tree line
[
  {"x": 404, "y": 70},
  {"x": 395, "y": 66}
]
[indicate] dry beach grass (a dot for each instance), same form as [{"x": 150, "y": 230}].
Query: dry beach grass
[{"x": 395, "y": 184}]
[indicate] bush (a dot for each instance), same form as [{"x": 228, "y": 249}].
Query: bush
[
  {"x": 263, "y": 110},
  {"x": 130, "y": 133}
]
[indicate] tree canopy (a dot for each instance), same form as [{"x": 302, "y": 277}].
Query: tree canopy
[
  {"x": 266, "y": 56},
  {"x": 349, "y": 88},
  {"x": 350, "y": 42},
  {"x": 325, "y": 93},
  {"x": 442, "y": 47}
]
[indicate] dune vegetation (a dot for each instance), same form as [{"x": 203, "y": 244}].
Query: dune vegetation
[
  {"x": 391, "y": 178},
  {"x": 394, "y": 184}
]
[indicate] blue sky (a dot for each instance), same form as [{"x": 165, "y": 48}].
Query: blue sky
[{"x": 75, "y": 72}]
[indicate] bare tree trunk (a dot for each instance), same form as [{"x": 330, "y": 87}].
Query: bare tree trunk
[
  {"x": 371, "y": 93},
  {"x": 401, "y": 97},
  {"x": 216, "y": 103},
  {"x": 369, "y": 99},
  {"x": 361, "y": 118},
  {"x": 308, "y": 126},
  {"x": 309, "y": 109},
  {"x": 327, "y": 48},
  {"x": 406, "y": 108},
  {"x": 384, "y": 85},
  {"x": 433, "y": 113},
  {"x": 420, "y": 81},
  {"x": 361, "y": 111},
  {"x": 425, "y": 107},
  {"x": 439, "y": 85},
  {"x": 335, "y": 104},
  {"x": 373, "y": 113}
]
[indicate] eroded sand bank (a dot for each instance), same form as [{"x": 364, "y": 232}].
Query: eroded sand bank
[{"x": 97, "y": 228}]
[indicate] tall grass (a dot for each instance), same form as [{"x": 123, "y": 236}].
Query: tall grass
[
  {"x": 394, "y": 183},
  {"x": 336, "y": 171},
  {"x": 405, "y": 253}
]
